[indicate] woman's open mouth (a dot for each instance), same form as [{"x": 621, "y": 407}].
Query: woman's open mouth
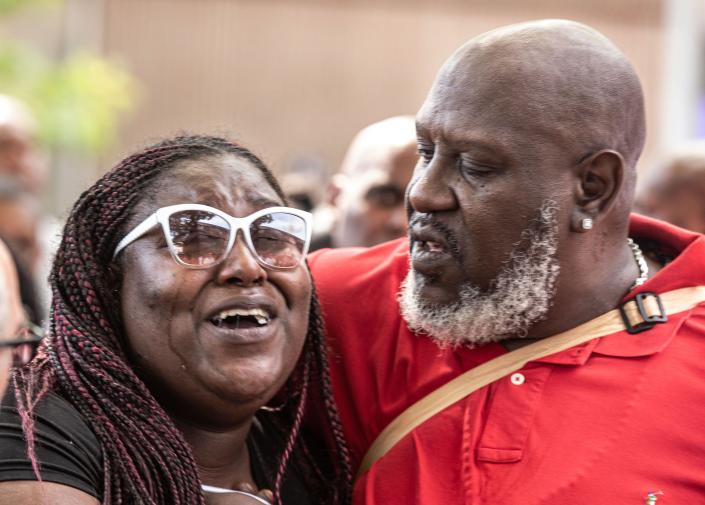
[
  {"x": 243, "y": 325},
  {"x": 241, "y": 318}
]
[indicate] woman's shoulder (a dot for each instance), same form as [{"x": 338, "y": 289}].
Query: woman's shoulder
[
  {"x": 67, "y": 450},
  {"x": 53, "y": 414}
]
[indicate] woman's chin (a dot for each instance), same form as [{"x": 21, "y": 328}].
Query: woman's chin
[{"x": 251, "y": 381}]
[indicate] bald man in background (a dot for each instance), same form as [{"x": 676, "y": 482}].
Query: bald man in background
[{"x": 367, "y": 196}]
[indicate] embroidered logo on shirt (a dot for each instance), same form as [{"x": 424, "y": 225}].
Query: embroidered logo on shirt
[{"x": 652, "y": 497}]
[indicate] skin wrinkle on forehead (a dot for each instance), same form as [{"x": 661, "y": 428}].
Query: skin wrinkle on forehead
[
  {"x": 201, "y": 187},
  {"x": 227, "y": 190}
]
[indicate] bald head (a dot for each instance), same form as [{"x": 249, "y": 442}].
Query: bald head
[
  {"x": 571, "y": 85},
  {"x": 374, "y": 174},
  {"x": 379, "y": 144}
]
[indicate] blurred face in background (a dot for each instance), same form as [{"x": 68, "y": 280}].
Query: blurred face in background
[
  {"x": 376, "y": 171},
  {"x": 11, "y": 314},
  {"x": 683, "y": 206},
  {"x": 678, "y": 193},
  {"x": 20, "y": 157},
  {"x": 19, "y": 227}
]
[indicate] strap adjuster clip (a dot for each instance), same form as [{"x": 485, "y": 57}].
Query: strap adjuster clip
[{"x": 642, "y": 312}]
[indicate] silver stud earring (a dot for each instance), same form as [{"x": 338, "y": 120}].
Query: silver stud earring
[{"x": 586, "y": 224}]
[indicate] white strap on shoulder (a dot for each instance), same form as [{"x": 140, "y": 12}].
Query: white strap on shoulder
[{"x": 458, "y": 388}]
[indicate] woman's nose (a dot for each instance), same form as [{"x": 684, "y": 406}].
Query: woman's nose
[{"x": 241, "y": 267}]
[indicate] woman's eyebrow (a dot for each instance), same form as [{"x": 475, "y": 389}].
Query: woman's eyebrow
[{"x": 264, "y": 202}]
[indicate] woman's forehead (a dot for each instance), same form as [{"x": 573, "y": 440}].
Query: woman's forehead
[{"x": 225, "y": 182}]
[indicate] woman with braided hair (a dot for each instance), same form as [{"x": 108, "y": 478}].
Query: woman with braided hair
[{"x": 185, "y": 355}]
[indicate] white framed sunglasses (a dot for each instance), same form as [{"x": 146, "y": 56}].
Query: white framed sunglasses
[{"x": 200, "y": 236}]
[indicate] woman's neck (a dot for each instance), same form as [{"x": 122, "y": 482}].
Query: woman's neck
[{"x": 221, "y": 456}]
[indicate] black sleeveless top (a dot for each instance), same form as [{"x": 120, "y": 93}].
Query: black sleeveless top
[{"x": 69, "y": 453}]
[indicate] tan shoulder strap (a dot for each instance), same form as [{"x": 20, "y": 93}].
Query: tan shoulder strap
[{"x": 458, "y": 388}]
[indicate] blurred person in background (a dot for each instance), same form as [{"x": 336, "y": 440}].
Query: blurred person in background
[
  {"x": 304, "y": 183},
  {"x": 367, "y": 196},
  {"x": 16, "y": 346},
  {"x": 20, "y": 218},
  {"x": 20, "y": 156},
  {"x": 677, "y": 194},
  {"x": 30, "y": 233}
]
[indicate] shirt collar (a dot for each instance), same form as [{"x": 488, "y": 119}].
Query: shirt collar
[{"x": 687, "y": 269}]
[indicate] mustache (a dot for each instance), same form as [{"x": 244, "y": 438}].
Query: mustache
[{"x": 449, "y": 236}]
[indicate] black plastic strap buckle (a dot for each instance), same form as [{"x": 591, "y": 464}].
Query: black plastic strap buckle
[{"x": 648, "y": 321}]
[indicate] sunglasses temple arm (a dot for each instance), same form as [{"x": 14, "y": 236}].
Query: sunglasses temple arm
[{"x": 137, "y": 232}]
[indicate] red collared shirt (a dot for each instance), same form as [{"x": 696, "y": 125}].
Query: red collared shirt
[{"x": 605, "y": 422}]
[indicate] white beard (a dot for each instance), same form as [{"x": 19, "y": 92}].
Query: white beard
[{"x": 519, "y": 296}]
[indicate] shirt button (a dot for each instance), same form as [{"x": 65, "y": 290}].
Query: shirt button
[{"x": 518, "y": 379}]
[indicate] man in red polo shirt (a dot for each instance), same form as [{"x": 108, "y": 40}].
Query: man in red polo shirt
[{"x": 520, "y": 230}]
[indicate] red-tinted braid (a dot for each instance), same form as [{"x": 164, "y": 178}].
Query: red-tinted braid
[
  {"x": 145, "y": 457},
  {"x": 149, "y": 462},
  {"x": 79, "y": 354},
  {"x": 293, "y": 435},
  {"x": 344, "y": 461}
]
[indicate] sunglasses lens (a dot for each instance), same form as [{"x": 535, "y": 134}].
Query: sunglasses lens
[
  {"x": 279, "y": 239},
  {"x": 200, "y": 238}
]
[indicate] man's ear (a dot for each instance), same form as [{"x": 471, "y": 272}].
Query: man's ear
[
  {"x": 599, "y": 179},
  {"x": 335, "y": 187}
]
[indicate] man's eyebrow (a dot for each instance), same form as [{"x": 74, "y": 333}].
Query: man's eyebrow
[{"x": 464, "y": 140}]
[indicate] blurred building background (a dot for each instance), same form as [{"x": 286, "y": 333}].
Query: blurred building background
[{"x": 295, "y": 79}]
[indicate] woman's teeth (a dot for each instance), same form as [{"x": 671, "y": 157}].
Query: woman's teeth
[{"x": 235, "y": 316}]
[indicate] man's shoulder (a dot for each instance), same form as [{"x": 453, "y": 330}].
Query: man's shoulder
[
  {"x": 336, "y": 265},
  {"x": 349, "y": 280},
  {"x": 681, "y": 251},
  {"x": 670, "y": 238}
]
